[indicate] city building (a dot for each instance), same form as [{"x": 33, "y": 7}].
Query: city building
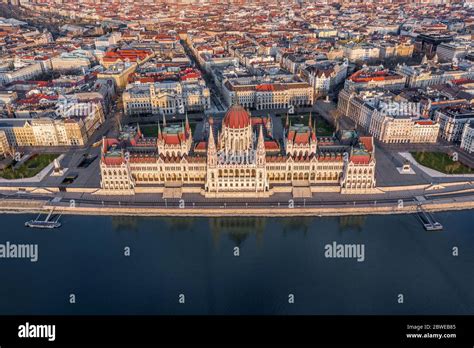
[
  {"x": 70, "y": 124},
  {"x": 238, "y": 159},
  {"x": 105, "y": 41},
  {"x": 268, "y": 93},
  {"x": 447, "y": 51},
  {"x": 452, "y": 121},
  {"x": 16, "y": 70},
  {"x": 168, "y": 97},
  {"x": 387, "y": 119},
  {"x": 119, "y": 73},
  {"x": 373, "y": 77},
  {"x": 467, "y": 138},
  {"x": 403, "y": 128},
  {"x": 111, "y": 58},
  {"x": 390, "y": 50},
  {"x": 76, "y": 60},
  {"x": 431, "y": 73},
  {"x": 359, "y": 106},
  {"x": 428, "y": 43},
  {"x": 325, "y": 76},
  {"x": 4, "y": 145},
  {"x": 361, "y": 52}
]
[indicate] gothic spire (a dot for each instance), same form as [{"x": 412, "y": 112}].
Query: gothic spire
[
  {"x": 424, "y": 60},
  {"x": 211, "y": 146},
  {"x": 139, "y": 132},
  {"x": 260, "y": 143},
  {"x": 187, "y": 121}
]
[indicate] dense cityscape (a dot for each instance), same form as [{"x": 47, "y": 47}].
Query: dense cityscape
[
  {"x": 271, "y": 101},
  {"x": 171, "y": 166}
]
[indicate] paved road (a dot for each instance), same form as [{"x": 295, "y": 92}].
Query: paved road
[
  {"x": 216, "y": 96},
  {"x": 343, "y": 201}
]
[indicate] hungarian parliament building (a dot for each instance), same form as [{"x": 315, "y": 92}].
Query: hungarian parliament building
[{"x": 238, "y": 156}]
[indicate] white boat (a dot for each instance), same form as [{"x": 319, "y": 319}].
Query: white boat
[{"x": 46, "y": 223}]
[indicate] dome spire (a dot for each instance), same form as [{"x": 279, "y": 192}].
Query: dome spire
[{"x": 260, "y": 143}]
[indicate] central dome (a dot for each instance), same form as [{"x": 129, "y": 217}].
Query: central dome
[{"x": 237, "y": 117}]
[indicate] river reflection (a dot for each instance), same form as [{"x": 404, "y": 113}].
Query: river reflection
[{"x": 237, "y": 229}]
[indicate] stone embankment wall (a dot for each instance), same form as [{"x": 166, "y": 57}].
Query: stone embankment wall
[{"x": 85, "y": 209}]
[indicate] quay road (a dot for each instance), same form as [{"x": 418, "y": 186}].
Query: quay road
[{"x": 106, "y": 201}]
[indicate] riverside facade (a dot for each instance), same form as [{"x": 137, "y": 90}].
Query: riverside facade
[{"x": 238, "y": 158}]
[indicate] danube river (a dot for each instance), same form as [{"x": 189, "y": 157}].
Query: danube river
[{"x": 282, "y": 266}]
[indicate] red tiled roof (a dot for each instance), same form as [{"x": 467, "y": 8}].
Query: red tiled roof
[
  {"x": 193, "y": 75},
  {"x": 142, "y": 159},
  {"x": 301, "y": 138},
  {"x": 131, "y": 55},
  {"x": 146, "y": 80},
  {"x": 424, "y": 123},
  {"x": 364, "y": 76},
  {"x": 265, "y": 88},
  {"x": 367, "y": 142},
  {"x": 360, "y": 159},
  {"x": 113, "y": 161},
  {"x": 37, "y": 97},
  {"x": 462, "y": 81},
  {"x": 202, "y": 145},
  {"x": 174, "y": 139},
  {"x": 271, "y": 145}
]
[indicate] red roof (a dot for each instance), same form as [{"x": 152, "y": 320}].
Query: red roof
[
  {"x": 260, "y": 120},
  {"x": 146, "y": 80},
  {"x": 425, "y": 123},
  {"x": 329, "y": 158},
  {"x": 367, "y": 142},
  {"x": 142, "y": 159},
  {"x": 462, "y": 81},
  {"x": 202, "y": 145},
  {"x": 301, "y": 138},
  {"x": 113, "y": 161},
  {"x": 36, "y": 98},
  {"x": 193, "y": 75},
  {"x": 237, "y": 117},
  {"x": 364, "y": 76},
  {"x": 132, "y": 55},
  {"x": 265, "y": 87},
  {"x": 174, "y": 139},
  {"x": 271, "y": 145},
  {"x": 360, "y": 159}
]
